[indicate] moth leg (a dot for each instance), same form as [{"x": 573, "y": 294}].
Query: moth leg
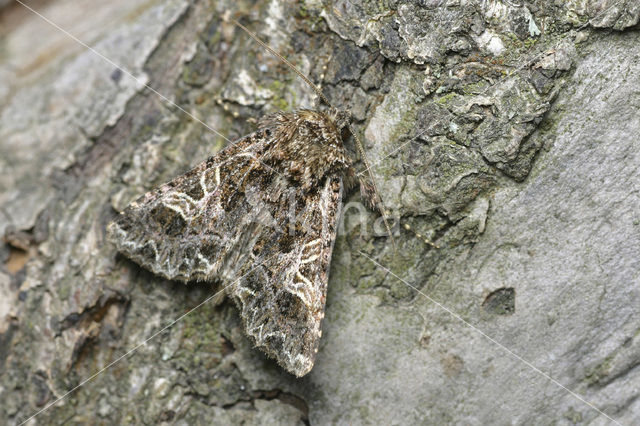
[
  {"x": 367, "y": 190},
  {"x": 370, "y": 196}
]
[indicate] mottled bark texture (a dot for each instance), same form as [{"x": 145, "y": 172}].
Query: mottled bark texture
[{"x": 524, "y": 167}]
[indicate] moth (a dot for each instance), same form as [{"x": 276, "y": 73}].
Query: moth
[{"x": 261, "y": 214}]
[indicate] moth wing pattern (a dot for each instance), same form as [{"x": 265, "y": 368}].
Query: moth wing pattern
[
  {"x": 261, "y": 216},
  {"x": 190, "y": 228},
  {"x": 285, "y": 296}
]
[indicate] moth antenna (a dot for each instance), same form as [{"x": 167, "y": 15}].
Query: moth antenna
[
  {"x": 321, "y": 95},
  {"x": 316, "y": 100},
  {"x": 283, "y": 59},
  {"x": 420, "y": 236},
  {"x": 378, "y": 200}
]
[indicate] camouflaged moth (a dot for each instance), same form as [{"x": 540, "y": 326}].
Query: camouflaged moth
[{"x": 263, "y": 212}]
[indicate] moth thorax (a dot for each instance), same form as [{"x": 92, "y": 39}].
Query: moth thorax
[
  {"x": 339, "y": 117},
  {"x": 315, "y": 147}
]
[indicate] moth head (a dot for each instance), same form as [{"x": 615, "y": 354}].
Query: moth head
[{"x": 339, "y": 117}]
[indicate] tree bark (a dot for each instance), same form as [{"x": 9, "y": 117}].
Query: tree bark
[{"x": 504, "y": 131}]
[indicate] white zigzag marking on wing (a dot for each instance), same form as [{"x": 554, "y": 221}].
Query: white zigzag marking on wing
[
  {"x": 299, "y": 290},
  {"x": 154, "y": 247},
  {"x": 303, "y": 278},
  {"x": 204, "y": 260},
  {"x": 133, "y": 245},
  {"x": 173, "y": 201},
  {"x": 310, "y": 259},
  {"x": 313, "y": 243},
  {"x": 203, "y": 183}
]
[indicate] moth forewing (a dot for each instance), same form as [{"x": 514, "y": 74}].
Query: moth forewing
[{"x": 232, "y": 217}]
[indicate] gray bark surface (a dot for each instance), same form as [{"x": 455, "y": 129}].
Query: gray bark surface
[{"x": 507, "y": 131}]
